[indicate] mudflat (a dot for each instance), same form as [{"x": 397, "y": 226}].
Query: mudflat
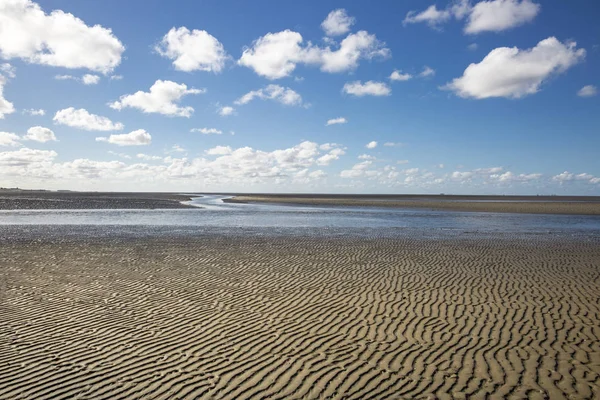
[
  {"x": 575, "y": 205},
  {"x": 47, "y": 200},
  {"x": 240, "y": 317}
]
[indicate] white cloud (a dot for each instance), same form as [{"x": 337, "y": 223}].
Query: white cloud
[
  {"x": 40, "y": 134},
  {"x": 147, "y": 157},
  {"x": 513, "y": 73},
  {"x": 226, "y": 110},
  {"x": 568, "y": 177},
  {"x": 219, "y": 151},
  {"x": 427, "y": 72},
  {"x": 33, "y": 112},
  {"x": 371, "y": 145},
  {"x": 57, "y": 39},
  {"x": 354, "y": 47},
  {"x": 588, "y": 91},
  {"x": 116, "y": 77},
  {"x": 509, "y": 177},
  {"x": 331, "y": 156},
  {"x": 136, "y": 138},
  {"x": 207, "y": 131},
  {"x": 6, "y": 107},
  {"x": 357, "y": 170},
  {"x": 485, "y": 16},
  {"x": 9, "y": 139},
  {"x": 276, "y": 55},
  {"x": 402, "y": 162},
  {"x": 89, "y": 79},
  {"x": 24, "y": 157},
  {"x": 82, "y": 119},
  {"x": 193, "y": 51},
  {"x": 337, "y": 23},
  {"x": 393, "y": 144},
  {"x": 162, "y": 99},
  {"x": 431, "y": 16},
  {"x": 335, "y": 121},
  {"x": 472, "y": 46},
  {"x": 397, "y": 75},
  {"x": 272, "y": 92},
  {"x": 370, "y": 88},
  {"x": 8, "y": 70},
  {"x": 500, "y": 15}
]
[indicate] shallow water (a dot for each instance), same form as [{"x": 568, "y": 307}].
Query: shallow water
[{"x": 212, "y": 213}]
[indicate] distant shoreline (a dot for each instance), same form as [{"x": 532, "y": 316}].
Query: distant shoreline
[
  {"x": 67, "y": 200},
  {"x": 570, "y": 205}
]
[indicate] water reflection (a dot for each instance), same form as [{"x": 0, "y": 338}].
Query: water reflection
[{"x": 213, "y": 213}]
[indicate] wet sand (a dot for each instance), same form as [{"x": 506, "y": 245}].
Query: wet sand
[
  {"x": 239, "y": 317},
  {"x": 573, "y": 205},
  {"x": 47, "y": 200}
]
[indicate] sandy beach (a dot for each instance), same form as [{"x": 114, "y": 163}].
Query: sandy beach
[
  {"x": 240, "y": 317},
  {"x": 574, "y": 205}
]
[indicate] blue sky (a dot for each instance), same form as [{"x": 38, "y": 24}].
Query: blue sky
[{"x": 496, "y": 96}]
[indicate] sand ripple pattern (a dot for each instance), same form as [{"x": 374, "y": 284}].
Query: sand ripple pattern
[{"x": 281, "y": 318}]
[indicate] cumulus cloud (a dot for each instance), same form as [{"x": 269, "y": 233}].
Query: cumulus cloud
[
  {"x": 162, "y": 99},
  {"x": 357, "y": 170},
  {"x": 397, "y": 75},
  {"x": 431, "y": 16},
  {"x": 9, "y": 139},
  {"x": 195, "y": 50},
  {"x": 89, "y": 79},
  {"x": 588, "y": 91},
  {"x": 226, "y": 110},
  {"x": 336, "y": 121},
  {"x": 8, "y": 70},
  {"x": 277, "y": 93},
  {"x": 369, "y": 88},
  {"x": 427, "y": 72},
  {"x": 331, "y": 156},
  {"x": 82, "y": 119},
  {"x": 24, "y": 157},
  {"x": 136, "y": 138},
  {"x": 33, "y": 112},
  {"x": 219, "y": 151},
  {"x": 393, "y": 144},
  {"x": 275, "y": 55},
  {"x": 40, "y": 134},
  {"x": 485, "y": 16},
  {"x": 337, "y": 23},
  {"x": 513, "y": 73},
  {"x": 207, "y": 131},
  {"x": 6, "y": 107},
  {"x": 509, "y": 177},
  {"x": 371, "y": 145},
  {"x": 57, "y": 39},
  {"x": 500, "y": 15}
]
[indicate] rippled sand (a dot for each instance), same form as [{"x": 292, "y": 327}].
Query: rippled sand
[{"x": 282, "y": 318}]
